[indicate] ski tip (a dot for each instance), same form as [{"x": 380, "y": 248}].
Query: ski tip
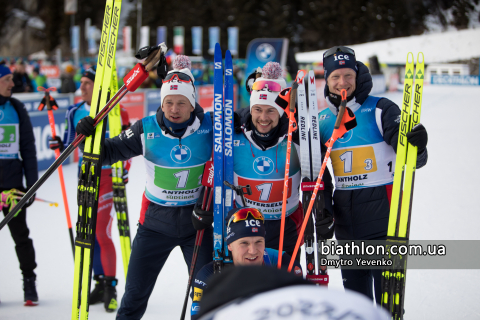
[
  {"x": 217, "y": 45},
  {"x": 30, "y": 303},
  {"x": 228, "y": 54}
]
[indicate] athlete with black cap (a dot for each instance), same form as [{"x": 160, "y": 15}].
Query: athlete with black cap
[
  {"x": 363, "y": 160},
  {"x": 246, "y": 241}
]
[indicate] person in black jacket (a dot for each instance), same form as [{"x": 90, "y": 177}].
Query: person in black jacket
[
  {"x": 17, "y": 159},
  {"x": 21, "y": 80},
  {"x": 363, "y": 159}
]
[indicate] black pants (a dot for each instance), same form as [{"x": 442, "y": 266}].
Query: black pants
[
  {"x": 23, "y": 244},
  {"x": 150, "y": 250},
  {"x": 367, "y": 282}
]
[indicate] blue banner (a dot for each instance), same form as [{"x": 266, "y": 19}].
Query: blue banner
[
  {"x": 153, "y": 101},
  {"x": 213, "y": 38},
  {"x": 260, "y": 51},
  {"x": 161, "y": 34},
  {"x": 75, "y": 42},
  {"x": 41, "y": 126},
  {"x": 455, "y": 80},
  {"x": 233, "y": 40},
  {"x": 197, "y": 43},
  {"x": 92, "y": 45}
]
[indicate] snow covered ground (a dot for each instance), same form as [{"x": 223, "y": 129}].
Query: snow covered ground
[{"x": 445, "y": 208}]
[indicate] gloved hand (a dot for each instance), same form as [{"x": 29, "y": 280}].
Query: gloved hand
[
  {"x": 418, "y": 137},
  {"x": 325, "y": 228},
  {"x": 56, "y": 143},
  {"x": 201, "y": 219},
  {"x": 85, "y": 126},
  {"x": 31, "y": 200},
  {"x": 125, "y": 176}
]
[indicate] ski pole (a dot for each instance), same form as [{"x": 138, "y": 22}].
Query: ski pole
[
  {"x": 49, "y": 102},
  {"x": 292, "y": 123},
  {"x": 339, "y": 130},
  {"x": 51, "y": 203},
  {"x": 132, "y": 81},
  {"x": 207, "y": 181}
]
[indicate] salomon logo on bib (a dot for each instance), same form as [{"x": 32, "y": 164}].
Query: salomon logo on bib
[
  {"x": 180, "y": 154},
  {"x": 263, "y": 165}
]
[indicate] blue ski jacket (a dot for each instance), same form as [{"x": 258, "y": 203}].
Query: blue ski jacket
[
  {"x": 13, "y": 170},
  {"x": 362, "y": 213}
]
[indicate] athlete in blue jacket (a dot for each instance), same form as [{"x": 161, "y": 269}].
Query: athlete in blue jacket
[
  {"x": 18, "y": 158},
  {"x": 176, "y": 142},
  {"x": 363, "y": 159},
  {"x": 246, "y": 240},
  {"x": 260, "y": 147}
]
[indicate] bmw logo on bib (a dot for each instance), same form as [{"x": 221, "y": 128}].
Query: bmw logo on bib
[
  {"x": 346, "y": 137},
  {"x": 263, "y": 165},
  {"x": 180, "y": 154}
]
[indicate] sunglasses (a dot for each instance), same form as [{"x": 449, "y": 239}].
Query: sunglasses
[
  {"x": 179, "y": 75},
  {"x": 243, "y": 213},
  {"x": 336, "y": 49},
  {"x": 270, "y": 85}
]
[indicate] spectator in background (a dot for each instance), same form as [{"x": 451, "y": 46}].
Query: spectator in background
[
  {"x": 68, "y": 85},
  {"x": 18, "y": 160},
  {"x": 21, "y": 79},
  {"x": 38, "y": 79}
]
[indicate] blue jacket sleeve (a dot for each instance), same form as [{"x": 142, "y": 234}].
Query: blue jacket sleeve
[
  {"x": 124, "y": 146},
  {"x": 198, "y": 286},
  {"x": 28, "y": 150}
]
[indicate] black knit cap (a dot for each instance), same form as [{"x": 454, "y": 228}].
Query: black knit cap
[
  {"x": 338, "y": 60},
  {"x": 90, "y": 73},
  {"x": 250, "y": 227}
]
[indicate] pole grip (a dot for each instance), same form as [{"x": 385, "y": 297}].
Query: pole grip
[{"x": 341, "y": 110}]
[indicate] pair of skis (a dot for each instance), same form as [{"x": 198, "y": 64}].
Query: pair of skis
[
  {"x": 90, "y": 170},
  {"x": 118, "y": 185},
  {"x": 310, "y": 163},
  {"x": 223, "y": 127},
  {"x": 393, "y": 278}
]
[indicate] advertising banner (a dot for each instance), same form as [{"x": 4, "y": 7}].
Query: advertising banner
[
  {"x": 213, "y": 38},
  {"x": 197, "y": 43},
  {"x": 41, "y": 126}
]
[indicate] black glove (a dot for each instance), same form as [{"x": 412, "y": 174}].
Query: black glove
[
  {"x": 201, "y": 219},
  {"x": 56, "y": 143},
  {"x": 418, "y": 137},
  {"x": 31, "y": 200},
  {"x": 85, "y": 126},
  {"x": 325, "y": 228}
]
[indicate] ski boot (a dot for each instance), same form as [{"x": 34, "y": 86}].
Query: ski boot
[
  {"x": 110, "y": 294},
  {"x": 30, "y": 292},
  {"x": 96, "y": 295}
]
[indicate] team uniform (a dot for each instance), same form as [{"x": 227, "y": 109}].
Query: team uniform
[
  {"x": 363, "y": 162},
  {"x": 173, "y": 185},
  {"x": 105, "y": 259},
  {"x": 264, "y": 170},
  {"x": 270, "y": 259},
  {"x": 18, "y": 159}
]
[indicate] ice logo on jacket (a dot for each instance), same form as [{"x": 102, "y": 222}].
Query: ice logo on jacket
[
  {"x": 263, "y": 165},
  {"x": 180, "y": 154}
]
